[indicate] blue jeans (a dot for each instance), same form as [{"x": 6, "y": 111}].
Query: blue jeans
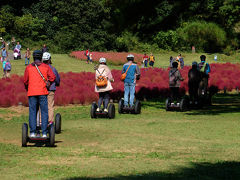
[
  {"x": 146, "y": 63},
  {"x": 34, "y": 102},
  {"x": 129, "y": 88},
  {"x": 27, "y": 59}
]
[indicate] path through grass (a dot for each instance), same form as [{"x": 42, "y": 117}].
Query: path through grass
[{"x": 199, "y": 144}]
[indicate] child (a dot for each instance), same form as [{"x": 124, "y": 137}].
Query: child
[
  {"x": 27, "y": 56},
  {"x": 174, "y": 81},
  {"x": 6, "y": 68},
  {"x": 4, "y": 54},
  {"x": 104, "y": 92}
]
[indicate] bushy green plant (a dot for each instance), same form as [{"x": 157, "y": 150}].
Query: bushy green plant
[
  {"x": 203, "y": 35},
  {"x": 167, "y": 40}
]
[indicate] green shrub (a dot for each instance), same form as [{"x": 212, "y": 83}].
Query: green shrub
[
  {"x": 167, "y": 40},
  {"x": 204, "y": 36}
]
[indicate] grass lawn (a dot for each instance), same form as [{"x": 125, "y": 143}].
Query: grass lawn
[
  {"x": 64, "y": 63},
  {"x": 198, "y": 144}
]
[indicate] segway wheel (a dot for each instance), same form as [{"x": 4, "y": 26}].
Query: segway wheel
[
  {"x": 120, "y": 106},
  {"x": 24, "y": 134},
  {"x": 183, "y": 105},
  {"x": 58, "y": 123},
  {"x": 167, "y": 104},
  {"x": 52, "y": 135},
  {"x": 137, "y": 107},
  {"x": 93, "y": 110},
  {"x": 111, "y": 111}
]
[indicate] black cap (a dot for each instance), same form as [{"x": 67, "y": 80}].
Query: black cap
[{"x": 37, "y": 55}]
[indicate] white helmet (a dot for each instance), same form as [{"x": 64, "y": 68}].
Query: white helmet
[
  {"x": 102, "y": 60},
  {"x": 130, "y": 57},
  {"x": 46, "y": 56}
]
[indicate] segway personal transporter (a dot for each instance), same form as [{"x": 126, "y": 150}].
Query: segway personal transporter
[
  {"x": 38, "y": 139},
  {"x": 136, "y": 109},
  {"x": 102, "y": 114},
  {"x": 181, "y": 105}
]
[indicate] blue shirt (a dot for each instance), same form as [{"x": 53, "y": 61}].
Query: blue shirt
[{"x": 133, "y": 71}]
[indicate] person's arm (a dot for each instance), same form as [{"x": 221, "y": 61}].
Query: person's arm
[
  {"x": 179, "y": 76},
  {"x": 208, "y": 70},
  {"x": 57, "y": 80},
  {"x": 26, "y": 78},
  {"x": 51, "y": 76},
  {"x": 109, "y": 74},
  {"x": 138, "y": 73}
]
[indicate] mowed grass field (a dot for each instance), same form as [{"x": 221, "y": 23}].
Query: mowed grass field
[
  {"x": 65, "y": 63},
  {"x": 197, "y": 144}
]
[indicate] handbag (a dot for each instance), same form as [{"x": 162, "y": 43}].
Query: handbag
[
  {"x": 101, "y": 80},
  {"x": 46, "y": 82},
  {"x": 124, "y": 75}
]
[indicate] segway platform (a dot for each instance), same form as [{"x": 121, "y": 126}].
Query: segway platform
[
  {"x": 38, "y": 139},
  {"x": 102, "y": 114},
  {"x": 182, "y": 105},
  {"x": 136, "y": 109}
]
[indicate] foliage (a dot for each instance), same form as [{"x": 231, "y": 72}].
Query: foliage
[
  {"x": 167, "y": 40},
  {"x": 203, "y": 35},
  {"x": 78, "y": 88}
]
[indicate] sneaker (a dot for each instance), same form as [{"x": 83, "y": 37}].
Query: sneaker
[
  {"x": 178, "y": 104},
  {"x": 172, "y": 104},
  {"x": 97, "y": 109},
  {"x": 105, "y": 110},
  {"x": 196, "y": 102},
  {"x": 32, "y": 135},
  {"x": 44, "y": 136}
]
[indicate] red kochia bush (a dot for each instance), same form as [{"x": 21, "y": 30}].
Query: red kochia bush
[
  {"x": 78, "y": 88},
  {"x": 117, "y": 58}
]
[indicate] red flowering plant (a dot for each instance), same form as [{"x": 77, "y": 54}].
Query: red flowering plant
[
  {"x": 78, "y": 88},
  {"x": 115, "y": 58}
]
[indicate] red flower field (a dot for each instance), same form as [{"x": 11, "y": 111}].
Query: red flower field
[
  {"x": 78, "y": 88},
  {"x": 116, "y": 58}
]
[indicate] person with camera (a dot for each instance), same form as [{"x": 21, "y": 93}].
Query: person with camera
[{"x": 37, "y": 79}]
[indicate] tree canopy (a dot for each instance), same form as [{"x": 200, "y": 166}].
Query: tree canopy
[{"x": 123, "y": 25}]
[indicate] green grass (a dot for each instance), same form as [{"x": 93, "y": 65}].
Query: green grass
[
  {"x": 197, "y": 144},
  {"x": 64, "y": 63}
]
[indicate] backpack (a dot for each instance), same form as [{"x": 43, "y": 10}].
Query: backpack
[
  {"x": 172, "y": 78},
  {"x": 8, "y": 66},
  {"x": 101, "y": 80},
  {"x": 151, "y": 58}
]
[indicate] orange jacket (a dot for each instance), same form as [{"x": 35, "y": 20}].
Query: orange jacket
[{"x": 34, "y": 82}]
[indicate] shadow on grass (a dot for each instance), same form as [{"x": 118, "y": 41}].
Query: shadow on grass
[
  {"x": 221, "y": 170},
  {"x": 222, "y": 103}
]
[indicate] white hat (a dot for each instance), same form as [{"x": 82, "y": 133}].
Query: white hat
[
  {"x": 102, "y": 60},
  {"x": 46, "y": 56}
]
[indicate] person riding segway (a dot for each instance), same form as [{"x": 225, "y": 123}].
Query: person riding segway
[
  {"x": 103, "y": 87},
  {"x": 194, "y": 78},
  {"x": 175, "y": 101},
  {"x": 37, "y": 78},
  {"x": 130, "y": 73}
]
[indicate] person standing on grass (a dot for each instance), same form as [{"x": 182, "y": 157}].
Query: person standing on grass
[
  {"x": 133, "y": 74},
  {"x": 27, "y": 56},
  {"x": 37, "y": 91},
  {"x": 151, "y": 60},
  {"x": 47, "y": 60},
  {"x": 87, "y": 54},
  {"x": 13, "y": 43},
  {"x": 4, "y": 54},
  {"x": 104, "y": 92},
  {"x": 145, "y": 59}
]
